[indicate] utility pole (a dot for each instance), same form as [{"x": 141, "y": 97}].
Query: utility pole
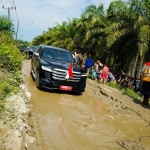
[
  {"x": 8, "y": 9},
  {"x": 17, "y": 31}
]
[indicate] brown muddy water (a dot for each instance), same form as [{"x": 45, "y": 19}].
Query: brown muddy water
[{"x": 81, "y": 122}]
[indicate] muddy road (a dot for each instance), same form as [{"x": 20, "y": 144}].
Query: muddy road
[{"x": 92, "y": 121}]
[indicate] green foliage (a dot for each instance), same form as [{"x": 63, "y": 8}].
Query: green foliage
[
  {"x": 5, "y": 24},
  {"x": 10, "y": 65},
  {"x": 113, "y": 84},
  {"x": 131, "y": 93},
  {"x": 25, "y": 43},
  {"x": 10, "y": 56},
  {"x": 125, "y": 90}
]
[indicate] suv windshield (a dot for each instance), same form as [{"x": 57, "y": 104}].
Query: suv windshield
[
  {"x": 57, "y": 54},
  {"x": 33, "y": 48}
]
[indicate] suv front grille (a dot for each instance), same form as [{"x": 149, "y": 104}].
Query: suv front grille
[
  {"x": 59, "y": 74},
  {"x": 47, "y": 75}
]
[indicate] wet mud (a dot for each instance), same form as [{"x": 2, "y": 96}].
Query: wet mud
[{"x": 99, "y": 119}]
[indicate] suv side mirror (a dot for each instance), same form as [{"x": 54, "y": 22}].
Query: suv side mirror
[{"x": 36, "y": 54}]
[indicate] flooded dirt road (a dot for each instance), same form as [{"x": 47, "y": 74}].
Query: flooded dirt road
[{"x": 91, "y": 121}]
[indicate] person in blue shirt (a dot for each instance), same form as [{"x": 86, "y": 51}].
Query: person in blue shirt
[{"x": 89, "y": 63}]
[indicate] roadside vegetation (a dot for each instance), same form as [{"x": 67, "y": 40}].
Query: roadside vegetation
[
  {"x": 119, "y": 36},
  {"x": 126, "y": 91},
  {"x": 10, "y": 62}
]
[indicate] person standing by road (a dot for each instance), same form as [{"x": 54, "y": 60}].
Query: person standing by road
[
  {"x": 104, "y": 74},
  {"x": 145, "y": 79},
  {"x": 123, "y": 76},
  {"x": 98, "y": 67},
  {"x": 89, "y": 63}
]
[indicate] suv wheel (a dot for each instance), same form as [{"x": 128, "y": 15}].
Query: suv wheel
[{"x": 37, "y": 80}]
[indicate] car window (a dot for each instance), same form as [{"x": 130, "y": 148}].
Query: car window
[
  {"x": 48, "y": 53},
  {"x": 34, "y": 48},
  {"x": 57, "y": 54},
  {"x": 39, "y": 50}
]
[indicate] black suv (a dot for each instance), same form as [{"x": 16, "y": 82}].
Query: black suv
[{"x": 49, "y": 66}]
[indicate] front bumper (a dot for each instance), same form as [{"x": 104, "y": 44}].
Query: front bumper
[{"x": 55, "y": 85}]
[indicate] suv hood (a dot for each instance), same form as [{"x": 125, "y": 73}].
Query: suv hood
[{"x": 61, "y": 64}]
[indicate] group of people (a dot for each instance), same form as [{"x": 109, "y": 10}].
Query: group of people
[
  {"x": 126, "y": 81},
  {"x": 102, "y": 74},
  {"x": 98, "y": 71}
]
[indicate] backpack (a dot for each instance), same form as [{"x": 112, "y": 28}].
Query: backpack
[{"x": 146, "y": 73}]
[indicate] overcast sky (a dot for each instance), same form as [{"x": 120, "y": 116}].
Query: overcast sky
[{"x": 36, "y": 16}]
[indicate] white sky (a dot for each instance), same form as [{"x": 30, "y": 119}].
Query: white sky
[{"x": 36, "y": 16}]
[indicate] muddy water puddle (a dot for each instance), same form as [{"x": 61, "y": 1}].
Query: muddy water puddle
[{"x": 81, "y": 122}]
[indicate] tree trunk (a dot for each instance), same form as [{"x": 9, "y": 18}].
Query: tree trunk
[
  {"x": 134, "y": 66},
  {"x": 141, "y": 62}
]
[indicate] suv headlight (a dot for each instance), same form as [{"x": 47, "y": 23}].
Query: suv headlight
[{"x": 47, "y": 68}]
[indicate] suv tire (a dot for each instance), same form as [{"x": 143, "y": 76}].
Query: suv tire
[{"x": 37, "y": 80}]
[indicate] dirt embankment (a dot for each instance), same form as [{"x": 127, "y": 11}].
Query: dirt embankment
[
  {"x": 117, "y": 102},
  {"x": 16, "y": 131},
  {"x": 15, "y": 123},
  {"x": 127, "y": 108}
]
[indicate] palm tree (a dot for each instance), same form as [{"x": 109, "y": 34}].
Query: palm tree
[
  {"x": 90, "y": 29},
  {"x": 128, "y": 34}
]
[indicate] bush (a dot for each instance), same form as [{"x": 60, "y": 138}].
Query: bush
[
  {"x": 11, "y": 58},
  {"x": 10, "y": 65}
]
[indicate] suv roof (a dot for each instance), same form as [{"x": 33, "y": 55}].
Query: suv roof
[{"x": 43, "y": 45}]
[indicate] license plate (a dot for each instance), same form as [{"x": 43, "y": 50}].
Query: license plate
[{"x": 65, "y": 88}]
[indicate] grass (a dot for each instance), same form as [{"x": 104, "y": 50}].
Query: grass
[{"x": 126, "y": 90}]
